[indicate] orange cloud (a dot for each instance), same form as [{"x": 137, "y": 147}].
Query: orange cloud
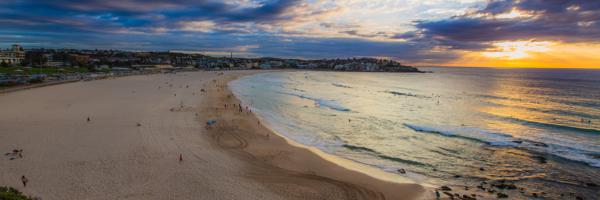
[{"x": 533, "y": 54}]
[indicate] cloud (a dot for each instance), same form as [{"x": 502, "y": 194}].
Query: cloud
[
  {"x": 505, "y": 20},
  {"x": 413, "y": 31},
  {"x": 104, "y": 15}
]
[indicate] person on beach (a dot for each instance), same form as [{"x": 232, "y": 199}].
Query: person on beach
[
  {"x": 24, "y": 180},
  {"x": 437, "y": 194},
  {"x": 88, "y": 119},
  {"x": 180, "y": 158}
]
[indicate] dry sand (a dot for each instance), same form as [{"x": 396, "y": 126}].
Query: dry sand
[{"x": 111, "y": 157}]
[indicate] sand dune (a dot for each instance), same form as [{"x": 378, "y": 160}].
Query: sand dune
[{"x": 138, "y": 128}]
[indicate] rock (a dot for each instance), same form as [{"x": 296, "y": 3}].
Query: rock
[
  {"x": 508, "y": 186},
  {"x": 541, "y": 159},
  {"x": 466, "y": 187},
  {"x": 591, "y": 184},
  {"x": 481, "y": 169},
  {"x": 445, "y": 188},
  {"x": 449, "y": 194},
  {"x": 539, "y": 144},
  {"x": 534, "y": 195},
  {"x": 579, "y": 198},
  {"x": 457, "y": 176},
  {"x": 501, "y": 195},
  {"x": 465, "y": 197}
]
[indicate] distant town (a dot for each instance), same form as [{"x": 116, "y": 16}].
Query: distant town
[{"x": 20, "y": 66}]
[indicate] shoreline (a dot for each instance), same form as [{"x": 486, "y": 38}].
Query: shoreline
[
  {"x": 147, "y": 140},
  {"x": 282, "y": 153}
]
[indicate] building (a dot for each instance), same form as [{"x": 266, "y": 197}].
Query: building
[
  {"x": 77, "y": 59},
  {"x": 14, "y": 55},
  {"x": 52, "y": 60}
]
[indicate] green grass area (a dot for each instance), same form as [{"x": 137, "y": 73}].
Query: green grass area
[
  {"x": 44, "y": 70},
  {"x": 8, "y": 193}
]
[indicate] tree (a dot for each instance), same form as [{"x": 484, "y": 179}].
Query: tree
[{"x": 3, "y": 64}]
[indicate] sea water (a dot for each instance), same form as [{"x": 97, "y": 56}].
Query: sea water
[{"x": 536, "y": 128}]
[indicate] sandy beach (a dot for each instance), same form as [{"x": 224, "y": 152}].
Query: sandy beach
[{"x": 140, "y": 126}]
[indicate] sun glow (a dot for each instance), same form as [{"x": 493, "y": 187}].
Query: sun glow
[
  {"x": 533, "y": 54},
  {"x": 517, "y": 49},
  {"x": 514, "y": 13}
]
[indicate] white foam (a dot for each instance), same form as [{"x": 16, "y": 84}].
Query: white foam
[
  {"x": 331, "y": 104},
  {"x": 574, "y": 153},
  {"x": 340, "y": 85}
]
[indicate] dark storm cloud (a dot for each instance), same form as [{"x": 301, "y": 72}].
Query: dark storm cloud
[
  {"x": 160, "y": 25},
  {"x": 562, "y": 20},
  {"x": 101, "y": 14},
  {"x": 163, "y": 24}
]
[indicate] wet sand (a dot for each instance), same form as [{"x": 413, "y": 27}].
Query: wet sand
[{"x": 138, "y": 128}]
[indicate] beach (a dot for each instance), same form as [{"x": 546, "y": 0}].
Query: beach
[
  {"x": 481, "y": 133},
  {"x": 146, "y": 138}
]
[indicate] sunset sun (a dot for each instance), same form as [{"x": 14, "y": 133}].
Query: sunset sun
[
  {"x": 517, "y": 49},
  {"x": 299, "y": 99}
]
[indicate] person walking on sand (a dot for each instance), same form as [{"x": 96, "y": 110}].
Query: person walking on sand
[
  {"x": 180, "y": 158},
  {"x": 24, "y": 180},
  {"x": 88, "y": 119}
]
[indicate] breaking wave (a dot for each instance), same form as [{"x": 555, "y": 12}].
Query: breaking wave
[
  {"x": 331, "y": 104},
  {"x": 383, "y": 156},
  {"x": 574, "y": 153},
  {"x": 395, "y": 93},
  {"x": 340, "y": 85}
]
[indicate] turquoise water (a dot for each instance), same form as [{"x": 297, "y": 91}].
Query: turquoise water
[{"x": 536, "y": 128}]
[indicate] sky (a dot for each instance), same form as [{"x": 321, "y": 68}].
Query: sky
[{"x": 486, "y": 33}]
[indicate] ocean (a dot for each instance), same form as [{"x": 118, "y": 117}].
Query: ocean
[{"x": 472, "y": 129}]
